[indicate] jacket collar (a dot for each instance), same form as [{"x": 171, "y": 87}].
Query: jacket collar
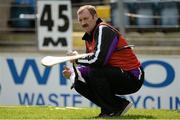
[{"x": 88, "y": 37}]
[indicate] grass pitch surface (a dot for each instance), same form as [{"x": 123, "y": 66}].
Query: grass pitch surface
[{"x": 48, "y": 112}]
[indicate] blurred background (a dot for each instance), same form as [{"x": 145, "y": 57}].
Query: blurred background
[{"x": 152, "y": 25}]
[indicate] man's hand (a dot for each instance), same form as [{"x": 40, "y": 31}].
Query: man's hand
[
  {"x": 67, "y": 72},
  {"x": 72, "y": 54}
]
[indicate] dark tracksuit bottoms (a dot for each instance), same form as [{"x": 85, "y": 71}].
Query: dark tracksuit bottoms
[{"x": 103, "y": 83}]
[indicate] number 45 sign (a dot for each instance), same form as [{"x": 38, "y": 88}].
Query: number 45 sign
[{"x": 54, "y": 24}]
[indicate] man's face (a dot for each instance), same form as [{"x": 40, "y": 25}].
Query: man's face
[{"x": 87, "y": 21}]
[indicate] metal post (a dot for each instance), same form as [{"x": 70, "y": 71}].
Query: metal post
[{"x": 120, "y": 16}]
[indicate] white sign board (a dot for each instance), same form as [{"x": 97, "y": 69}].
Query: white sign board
[
  {"x": 24, "y": 81},
  {"x": 161, "y": 89},
  {"x": 54, "y": 24}
]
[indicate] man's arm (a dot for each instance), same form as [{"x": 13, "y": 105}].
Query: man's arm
[{"x": 106, "y": 42}]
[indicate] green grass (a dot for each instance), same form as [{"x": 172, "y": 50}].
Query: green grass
[{"x": 29, "y": 112}]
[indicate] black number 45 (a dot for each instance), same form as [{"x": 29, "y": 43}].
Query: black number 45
[{"x": 46, "y": 18}]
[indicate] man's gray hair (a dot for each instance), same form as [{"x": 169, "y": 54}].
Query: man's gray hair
[{"x": 90, "y": 8}]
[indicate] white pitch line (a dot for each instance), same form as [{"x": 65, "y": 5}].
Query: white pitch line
[{"x": 65, "y": 108}]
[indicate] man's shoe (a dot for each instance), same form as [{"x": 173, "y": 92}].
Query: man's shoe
[
  {"x": 125, "y": 107},
  {"x": 103, "y": 114}
]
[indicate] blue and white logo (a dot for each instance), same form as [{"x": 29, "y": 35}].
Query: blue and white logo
[{"x": 170, "y": 73}]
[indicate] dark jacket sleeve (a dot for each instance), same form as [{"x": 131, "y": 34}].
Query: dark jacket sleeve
[{"x": 106, "y": 42}]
